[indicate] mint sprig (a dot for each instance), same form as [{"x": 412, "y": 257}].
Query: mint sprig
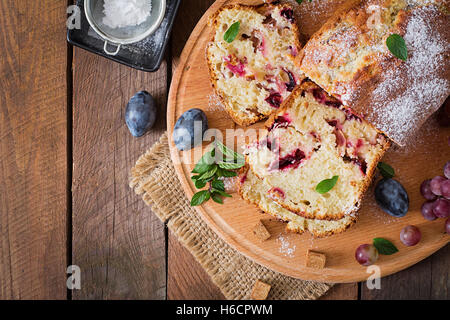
[
  {"x": 397, "y": 46},
  {"x": 386, "y": 170},
  {"x": 384, "y": 246},
  {"x": 232, "y": 32},
  {"x": 218, "y": 162},
  {"x": 326, "y": 185}
]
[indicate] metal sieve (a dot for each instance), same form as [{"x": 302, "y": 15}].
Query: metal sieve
[{"x": 118, "y": 36}]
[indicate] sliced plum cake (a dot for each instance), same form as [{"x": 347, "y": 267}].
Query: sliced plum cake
[
  {"x": 256, "y": 191},
  {"x": 254, "y": 72},
  {"x": 313, "y": 138}
]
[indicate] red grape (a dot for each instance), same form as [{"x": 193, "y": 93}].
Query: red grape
[
  {"x": 425, "y": 190},
  {"x": 445, "y": 189},
  {"x": 441, "y": 208},
  {"x": 366, "y": 254},
  {"x": 435, "y": 185},
  {"x": 447, "y": 167},
  {"x": 410, "y": 236},
  {"x": 447, "y": 226},
  {"x": 427, "y": 211}
]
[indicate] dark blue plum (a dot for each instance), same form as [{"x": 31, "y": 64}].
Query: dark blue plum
[
  {"x": 189, "y": 129},
  {"x": 392, "y": 197},
  {"x": 140, "y": 114}
]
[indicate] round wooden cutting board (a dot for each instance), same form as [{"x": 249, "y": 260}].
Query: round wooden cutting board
[{"x": 286, "y": 252}]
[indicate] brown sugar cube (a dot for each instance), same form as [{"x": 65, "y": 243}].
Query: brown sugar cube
[
  {"x": 260, "y": 231},
  {"x": 260, "y": 290},
  {"x": 315, "y": 260}
]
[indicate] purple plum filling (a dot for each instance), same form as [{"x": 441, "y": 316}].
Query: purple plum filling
[
  {"x": 292, "y": 160},
  {"x": 274, "y": 99},
  {"x": 291, "y": 84},
  {"x": 281, "y": 122},
  {"x": 361, "y": 163},
  {"x": 288, "y": 14}
]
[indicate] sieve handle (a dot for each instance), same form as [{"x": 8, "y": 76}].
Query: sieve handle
[{"x": 105, "y": 48}]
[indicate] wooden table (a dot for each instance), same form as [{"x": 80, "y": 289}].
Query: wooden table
[{"x": 65, "y": 155}]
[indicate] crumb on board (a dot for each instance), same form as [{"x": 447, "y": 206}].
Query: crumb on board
[
  {"x": 260, "y": 290},
  {"x": 315, "y": 259},
  {"x": 260, "y": 231}
]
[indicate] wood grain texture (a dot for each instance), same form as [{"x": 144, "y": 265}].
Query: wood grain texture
[
  {"x": 33, "y": 136},
  {"x": 427, "y": 280},
  {"x": 342, "y": 291},
  {"x": 190, "y": 87},
  {"x": 186, "y": 278},
  {"x": 118, "y": 242}
]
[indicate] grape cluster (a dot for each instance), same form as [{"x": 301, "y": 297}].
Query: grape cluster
[{"x": 437, "y": 193}]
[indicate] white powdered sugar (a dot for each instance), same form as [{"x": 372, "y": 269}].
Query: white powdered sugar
[
  {"x": 286, "y": 248},
  {"x": 422, "y": 90},
  {"x": 214, "y": 103},
  {"x": 126, "y": 13}
]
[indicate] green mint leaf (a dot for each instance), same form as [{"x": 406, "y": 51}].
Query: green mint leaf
[
  {"x": 229, "y": 154},
  {"x": 225, "y": 173},
  {"x": 208, "y": 174},
  {"x": 299, "y": 1},
  {"x": 205, "y": 163},
  {"x": 222, "y": 193},
  {"x": 384, "y": 246},
  {"x": 326, "y": 185},
  {"x": 218, "y": 184},
  {"x": 194, "y": 178},
  {"x": 216, "y": 198},
  {"x": 202, "y": 168},
  {"x": 200, "y": 197},
  {"x": 230, "y": 165},
  {"x": 199, "y": 184},
  {"x": 386, "y": 170},
  {"x": 232, "y": 32},
  {"x": 397, "y": 46}
]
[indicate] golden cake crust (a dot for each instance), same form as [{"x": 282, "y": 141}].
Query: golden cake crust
[
  {"x": 349, "y": 59},
  {"x": 304, "y": 87},
  {"x": 311, "y": 225},
  {"x": 213, "y": 21}
]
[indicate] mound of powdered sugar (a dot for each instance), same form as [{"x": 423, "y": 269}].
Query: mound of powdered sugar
[{"x": 126, "y": 13}]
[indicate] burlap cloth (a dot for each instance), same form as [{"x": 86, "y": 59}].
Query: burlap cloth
[{"x": 154, "y": 178}]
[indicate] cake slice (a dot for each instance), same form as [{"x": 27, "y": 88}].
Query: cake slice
[
  {"x": 311, "y": 138},
  {"x": 255, "y": 191},
  {"x": 350, "y": 59},
  {"x": 255, "y": 72}
]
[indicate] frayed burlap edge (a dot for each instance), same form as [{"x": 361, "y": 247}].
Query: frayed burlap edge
[{"x": 154, "y": 178}]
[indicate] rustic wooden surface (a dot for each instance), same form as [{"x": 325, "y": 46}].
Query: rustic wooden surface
[
  {"x": 124, "y": 251},
  {"x": 33, "y": 149}
]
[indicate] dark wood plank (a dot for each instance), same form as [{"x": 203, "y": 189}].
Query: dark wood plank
[
  {"x": 186, "y": 278},
  {"x": 118, "y": 242},
  {"x": 428, "y": 279},
  {"x": 33, "y": 158},
  {"x": 342, "y": 291}
]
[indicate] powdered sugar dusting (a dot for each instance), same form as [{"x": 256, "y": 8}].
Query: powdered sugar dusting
[
  {"x": 214, "y": 103},
  {"x": 423, "y": 91},
  {"x": 286, "y": 248}
]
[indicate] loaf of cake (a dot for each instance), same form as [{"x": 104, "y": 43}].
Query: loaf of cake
[
  {"x": 254, "y": 73},
  {"x": 255, "y": 191},
  {"x": 311, "y": 138},
  {"x": 349, "y": 58}
]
